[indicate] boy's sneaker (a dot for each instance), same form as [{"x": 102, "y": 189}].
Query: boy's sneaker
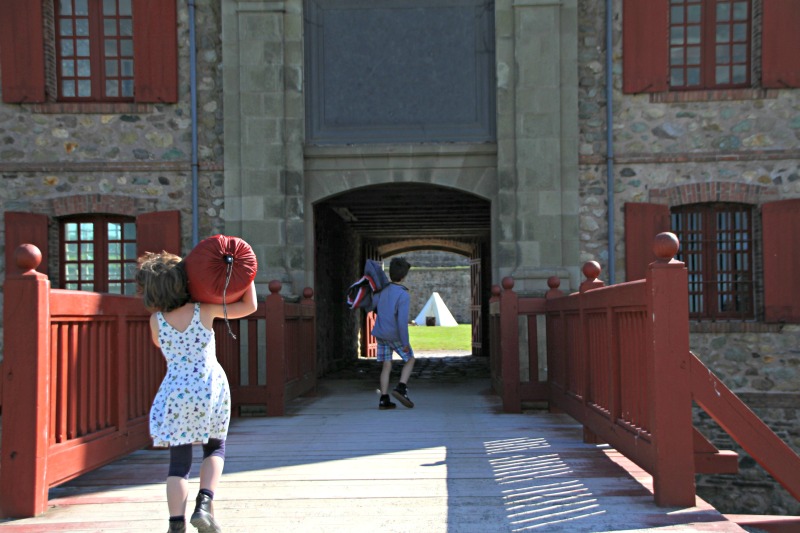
[
  {"x": 401, "y": 393},
  {"x": 386, "y": 403}
]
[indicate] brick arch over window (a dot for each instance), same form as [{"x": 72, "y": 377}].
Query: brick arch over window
[{"x": 714, "y": 191}]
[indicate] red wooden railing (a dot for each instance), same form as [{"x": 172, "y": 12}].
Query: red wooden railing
[
  {"x": 80, "y": 372},
  {"x": 619, "y": 363}
]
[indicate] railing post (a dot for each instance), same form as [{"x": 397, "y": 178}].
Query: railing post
[
  {"x": 509, "y": 347},
  {"x": 276, "y": 350},
  {"x": 26, "y": 388},
  {"x": 669, "y": 373},
  {"x": 591, "y": 270}
]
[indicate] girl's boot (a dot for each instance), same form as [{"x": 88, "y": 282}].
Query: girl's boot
[
  {"x": 203, "y": 516},
  {"x": 177, "y": 527}
]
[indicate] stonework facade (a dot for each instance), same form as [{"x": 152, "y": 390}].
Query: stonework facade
[{"x": 544, "y": 174}]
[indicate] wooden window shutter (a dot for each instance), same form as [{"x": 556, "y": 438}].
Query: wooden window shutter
[
  {"x": 645, "y": 46},
  {"x": 780, "y": 44},
  {"x": 781, "y": 226},
  {"x": 642, "y": 223},
  {"x": 22, "y": 51},
  {"x": 155, "y": 51},
  {"x": 26, "y": 228},
  {"x": 158, "y": 231}
]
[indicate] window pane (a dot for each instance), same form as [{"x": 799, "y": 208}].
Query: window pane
[
  {"x": 739, "y": 74},
  {"x": 87, "y": 286},
  {"x": 87, "y": 271},
  {"x": 112, "y": 68},
  {"x": 84, "y": 88},
  {"x": 676, "y": 77},
  {"x": 114, "y": 271},
  {"x": 723, "y": 53},
  {"x": 65, "y": 7},
  {"x": 739, "y": 32},
  {"x": 693, "y": 55},
  {"x": 110, "y": 28},
  {"x": 67, "y": 48},
  {"x": 723, "y": 12},
  {"x": 130, "y": 270},
  {"x": 694, "y": 13},
  {"x": 127, "y": 88},
  {"x": 68, "y": 88},
  {"x": 126, "y": 27},
  {"x": 130, "y": 289},
  {"x": 82, "y": 46},
  {"x": 71, "y": 286},
  {"x": 87, "y": 251},
  {"x": 82, "y": 7},
  {"x": 114, "y": 288},
  {"x": 84, "y": 68},
  {"x": 692, "y": 76},
  {"x": 71, "y": 251},
  {"x": 111, "y": 47},
  {"x": 109, "y": 7},
  {"x": 67, "y": 68},
  {"x": 126, "y": 47},
  {"x": 114, "y": 251},
  {"x": 130, "y": 230},
  {"x": 676, "y": 35},
  {"x": 676, "y": 15},
  {"x": 87, "y": 231},
  {"x": 723, "y": 33},
  {"x": 676, "y": 56},
  {"x": 112, "y": 88},
  {"x": 114, "y": 231},
  {"x": 70, "y": 231},
  {"x": 125, "y": 8},
  {"x": 65, "y": 27},
  {"x": 127, "y": 68},
  {"x": 130, "y": 251},
  {"x": 739, "y": 53},
  {"x": 693, "y": 35},
  {"x": 71, "y": 272},
  {"x": 722, "y": 75},
  {"x": 740, "y": 11},
  {"x": 82, "y": 27}
]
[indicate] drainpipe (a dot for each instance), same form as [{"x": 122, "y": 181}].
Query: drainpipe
[
  {"x": 610, "y": 139},
  {"x": 193, "y": 91}
]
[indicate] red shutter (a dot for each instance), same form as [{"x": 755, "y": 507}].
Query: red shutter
[
  {"x": 158, "y": 231},
  {"x": 22, "y": 51},
  {"x": 780, "y": 44},
  {"x": 781, "y": 227},
  {"x": 642, "y": 223},
  {"x": 26, "y": 228},
  {"x": 645, "y": 39},
  {"x": 155, "y": 50}
]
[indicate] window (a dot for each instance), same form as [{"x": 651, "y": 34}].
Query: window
[
  {"x": 717, "y": 248},
  {"x": 94, "y": 47},
  {"x": 87, "y": 51},
  {"x": 709, "y": 44},
  {"x": 99, "y": 254}
]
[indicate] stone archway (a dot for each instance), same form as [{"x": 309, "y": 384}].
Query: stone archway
[{"x": 380, "y": 221}]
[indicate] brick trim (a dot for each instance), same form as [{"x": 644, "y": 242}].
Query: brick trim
[
  {"x": 94, "y": 203},
  {"x": 719, "y": 95},
  {"x": 715, "y": 191}
]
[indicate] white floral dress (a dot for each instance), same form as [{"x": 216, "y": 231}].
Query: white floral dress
[{"x": 193, "y": 403}]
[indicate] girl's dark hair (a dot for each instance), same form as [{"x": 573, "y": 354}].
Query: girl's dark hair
[
  {"x": 398, "y": 268},
  {"x": 161, "y": 279}
]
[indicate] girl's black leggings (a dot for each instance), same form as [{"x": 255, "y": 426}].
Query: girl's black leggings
[{"x": 180, "y": 457}]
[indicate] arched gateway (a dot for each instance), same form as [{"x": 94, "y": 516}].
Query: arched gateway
[{"x": 360, "y": 129}]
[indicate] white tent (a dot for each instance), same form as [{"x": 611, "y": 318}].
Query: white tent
[{"x": 436, "y": 309}]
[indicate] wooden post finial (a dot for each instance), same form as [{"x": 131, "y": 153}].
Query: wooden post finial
[
  {"x": 275, "y": 286},
  {"x": 665, "y": 246},
  {"x": 508, "y": 283},
  {"x": 28, "y": 257}
]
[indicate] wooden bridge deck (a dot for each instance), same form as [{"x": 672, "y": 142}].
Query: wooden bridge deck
[{"x": 336, "y": 463}]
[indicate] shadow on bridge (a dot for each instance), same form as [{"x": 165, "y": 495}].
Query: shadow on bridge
[{"x": 452, "y": 464}]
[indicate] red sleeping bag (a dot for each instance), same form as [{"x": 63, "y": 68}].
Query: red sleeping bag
[{"x": 215, "y": 261}]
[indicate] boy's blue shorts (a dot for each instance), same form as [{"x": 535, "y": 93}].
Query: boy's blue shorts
[{"x": 385, "y": 349}]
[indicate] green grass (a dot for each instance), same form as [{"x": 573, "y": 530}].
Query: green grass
[{"x": 458, "y": 338}]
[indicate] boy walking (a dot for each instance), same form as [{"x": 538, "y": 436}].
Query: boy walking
[{"x": 391, "y": 332}]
